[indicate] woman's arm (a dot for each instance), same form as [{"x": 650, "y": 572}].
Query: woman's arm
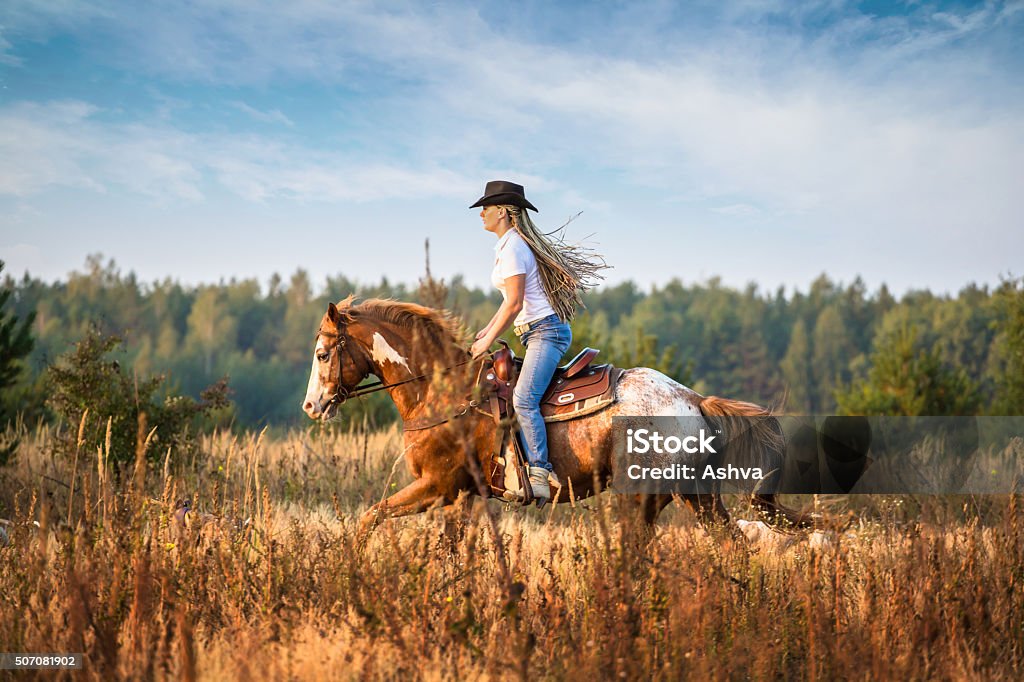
[
  {"x": 515, "y": 291},
  {"x": 483, "y": 332}
]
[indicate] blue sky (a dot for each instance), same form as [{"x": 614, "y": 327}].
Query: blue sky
[{"x": 756, "y": 141}]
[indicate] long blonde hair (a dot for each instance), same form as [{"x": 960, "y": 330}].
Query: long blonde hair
[{"x": 566, "y": 270}]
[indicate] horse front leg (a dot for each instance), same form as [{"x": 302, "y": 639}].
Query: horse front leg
[
  {"x": 412, "y": 499},
  {"x": 455, "y": 521}
]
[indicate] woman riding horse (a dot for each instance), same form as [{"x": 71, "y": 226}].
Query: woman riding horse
[
  {"x": 540, "y": 283},
  {"x": 418, "y": 355}
]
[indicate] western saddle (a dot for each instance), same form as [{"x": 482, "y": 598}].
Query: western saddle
[{"x": 577, "y": 389}]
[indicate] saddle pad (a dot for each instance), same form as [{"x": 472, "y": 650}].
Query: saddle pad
[
  {"x": 507, "y": 474},
  {"x": 584, "y": 394}
]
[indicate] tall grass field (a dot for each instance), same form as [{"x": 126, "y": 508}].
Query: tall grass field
[{"x": 242, "y": 562}]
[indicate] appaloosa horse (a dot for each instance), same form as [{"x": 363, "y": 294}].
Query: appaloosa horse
[{"x": 415, "y": 353}]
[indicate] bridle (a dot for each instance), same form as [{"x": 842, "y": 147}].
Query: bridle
[{"x": 343, "y": 393}]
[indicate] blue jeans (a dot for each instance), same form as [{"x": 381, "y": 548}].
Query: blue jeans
[{"x": 545, "y": 342}]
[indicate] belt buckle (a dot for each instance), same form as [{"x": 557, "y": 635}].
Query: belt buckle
[{"x": 521, "y": 329}]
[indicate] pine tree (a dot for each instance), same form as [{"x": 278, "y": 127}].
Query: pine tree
[
  {"x": 1008, "y": 361},
  {"x": 643, "y": 352},
  {"x": 796, "y": 371},
  {"x": 830, "y": 357},
  {"x": 15, "y": 344},
  {"x": 906, "y": 380},
  {"x": 302, "y": 314},
  {"x": 211, "y": 327}
]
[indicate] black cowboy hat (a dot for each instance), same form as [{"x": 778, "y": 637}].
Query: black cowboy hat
[{"x": 501, "y": 192}]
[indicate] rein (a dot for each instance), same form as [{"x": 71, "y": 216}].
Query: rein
[{"x": 339, "y": 399}]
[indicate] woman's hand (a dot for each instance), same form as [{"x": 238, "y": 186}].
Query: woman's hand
[
  {"x": 482, "y": 333},
  {"x": 479, "y": 347}
]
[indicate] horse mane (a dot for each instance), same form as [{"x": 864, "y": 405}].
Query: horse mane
[{"x": 427, "y": 324}]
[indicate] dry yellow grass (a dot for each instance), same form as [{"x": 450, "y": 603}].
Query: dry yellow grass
[{"x": 265, "y": 580}]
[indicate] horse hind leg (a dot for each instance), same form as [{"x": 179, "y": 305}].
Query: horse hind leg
[
  {"x": 777, "y": 515},
  {"x": 709, "y": 509},
  {"x": 714, "y": 518},
  {"x": 638, "y": 513},
  {"x": 651, "y": 506}
]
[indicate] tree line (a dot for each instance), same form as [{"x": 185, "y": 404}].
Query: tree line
[{"x": 832, "y": 348}]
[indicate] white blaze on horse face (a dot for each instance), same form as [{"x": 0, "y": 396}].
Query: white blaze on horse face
[
  {"x": 383, "y": 352},
  {"x": 311, "y": 403}
]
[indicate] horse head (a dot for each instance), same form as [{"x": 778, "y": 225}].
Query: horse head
[
  {"x": 400, "y": 343},
  {"x": 338, "y": 365}
]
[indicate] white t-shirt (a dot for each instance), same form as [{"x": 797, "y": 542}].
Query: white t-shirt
[{"x": 512, "y": 256}]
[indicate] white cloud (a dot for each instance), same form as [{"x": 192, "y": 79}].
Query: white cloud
[
  {"x": 257, "y": 170},
  {"x": 5, "y": 56},
  {"x": 272, "y": 116},
  {"x": 798, "y": 115},
  {"x": 63, "y": 144},
  {"x": 793, "y": 138},
  {"x": 67, "y": 144},
  {"x": 738, "y": 211}
]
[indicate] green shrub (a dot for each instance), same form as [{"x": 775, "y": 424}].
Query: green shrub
[{"x": 87, "y": 379}]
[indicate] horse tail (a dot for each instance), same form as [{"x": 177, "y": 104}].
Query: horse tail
[{"x": 757, "y": 441}]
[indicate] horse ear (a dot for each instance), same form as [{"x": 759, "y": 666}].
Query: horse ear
[{"x": 332, "y": 313}]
